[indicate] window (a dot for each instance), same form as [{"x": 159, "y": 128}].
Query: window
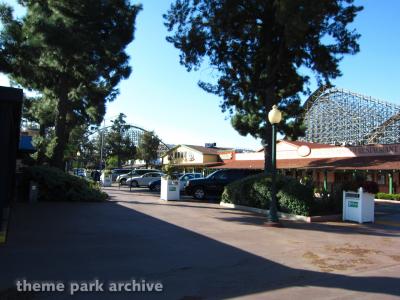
[
  {"x": 381, "y": 179},
  {"x": 369, "y": 177}
]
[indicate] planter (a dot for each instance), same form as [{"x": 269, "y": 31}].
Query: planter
[
  {"x": 358, "y": 206},
  {"x": 169, "y": 189}
]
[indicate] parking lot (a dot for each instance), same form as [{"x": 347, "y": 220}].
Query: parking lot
[{"x": 198, "y": 250}]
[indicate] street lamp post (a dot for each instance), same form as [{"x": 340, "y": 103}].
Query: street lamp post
[
  {"x": 274, "y": 117},
  {"x": 78, "y": 154}
]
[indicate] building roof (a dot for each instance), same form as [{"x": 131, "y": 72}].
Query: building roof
[
  {"x": 338, "y": 163},
  {"x": 242, "y": 164},
  {"x": 205, "y": 150},
  {"x": 208, "y": 164},
  {"x": 301, "y": 143},
  {"x": 311, "y": 145}
]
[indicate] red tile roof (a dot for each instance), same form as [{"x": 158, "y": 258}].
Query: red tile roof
[
  {"x": 208, "y": 164},
  {"x": 242, "y": 164}
]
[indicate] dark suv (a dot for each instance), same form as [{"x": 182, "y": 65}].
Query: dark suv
[{"x": 213, "y": 184}]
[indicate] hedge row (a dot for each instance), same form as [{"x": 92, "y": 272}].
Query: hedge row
[
  {"x": 56, "y": 185},
  {"x": 255, "y": 191},
  {"x": 387, "y": 196}
]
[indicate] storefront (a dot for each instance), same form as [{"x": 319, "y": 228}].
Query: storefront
[{"x": 328, "y": 164}]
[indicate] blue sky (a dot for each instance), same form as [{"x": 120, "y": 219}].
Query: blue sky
[{"x": 162, "y": 96}]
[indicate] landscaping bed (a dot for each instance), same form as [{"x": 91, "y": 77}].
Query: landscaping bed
[
  {"x": 56, "y": 185},
  {"x": 294, "y": 198}
]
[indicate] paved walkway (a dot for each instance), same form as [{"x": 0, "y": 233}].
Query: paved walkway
[
  {"x": 197, "y": 250},
  {"x": 387, "y": 212}
]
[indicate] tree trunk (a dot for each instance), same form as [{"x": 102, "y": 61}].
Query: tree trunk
[
  {"x": 61, "y": 132},
  {"x": 267, "y": 148},
  {"x": 42, "y": 149},
  {"x": 119, "y": 160}
]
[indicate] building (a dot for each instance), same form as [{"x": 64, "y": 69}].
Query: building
[
  {"x": 192, "y": 158},
  {"x": 345, "y": 133},
  {"x": 329, "y": 164}
]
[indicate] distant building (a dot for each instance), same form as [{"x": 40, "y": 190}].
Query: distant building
[{"x": 193, "y": 158}]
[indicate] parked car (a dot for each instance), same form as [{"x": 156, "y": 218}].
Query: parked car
[
  {"x": 183, "y": 179},
  {"x": 144, "y": 180},
  {"x": 155, "y": 185},
  {"x": 186, "y": 177},
  {"x": 116, "y": 172},
  {"x": 214, "y": 184},
  {"x": 121, "y": 179},
  {"x": 80, "y": 172}
]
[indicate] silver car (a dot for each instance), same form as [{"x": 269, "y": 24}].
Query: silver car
[
  {"x": 144, "y": 180},
  {"x": 121, "y": 179}
]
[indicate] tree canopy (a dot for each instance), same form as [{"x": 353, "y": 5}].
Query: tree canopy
[
  {"x": 148, "y": 147},
  {"x": 263, "y": 51},
  {"x": 120, "y": 142},
  {"x": 41, "y": 111},
  {"x": 73, "y": 51}
]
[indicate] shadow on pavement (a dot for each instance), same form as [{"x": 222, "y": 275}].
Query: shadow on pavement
[{"x": 83, "y": 241}]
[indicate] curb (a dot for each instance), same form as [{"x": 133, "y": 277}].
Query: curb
[
  {"x": 284, "y": 216},
  {"x": 387, "y": 201}
]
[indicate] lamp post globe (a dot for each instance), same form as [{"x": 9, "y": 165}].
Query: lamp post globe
[{"x": 274, "y": 117}]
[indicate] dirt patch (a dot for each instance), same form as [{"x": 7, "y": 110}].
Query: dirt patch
[
  {"x": 352, "y": 250},
  {"x": 395, "y": 257},
  {"x": 341, "y": 258}
]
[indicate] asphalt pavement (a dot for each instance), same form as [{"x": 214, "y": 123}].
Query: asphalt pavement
[{"x": 196, "y": 250}]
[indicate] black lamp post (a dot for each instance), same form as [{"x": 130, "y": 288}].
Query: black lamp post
[{"x": 274, "y": 117}]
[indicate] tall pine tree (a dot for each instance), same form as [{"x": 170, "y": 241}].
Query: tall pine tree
[
  {"x": 73, "y": 50},
  {"x": 261, "y": 51}
]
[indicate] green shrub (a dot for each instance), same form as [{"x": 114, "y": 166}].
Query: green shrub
[
  {"x": 255, "y": 191},
  {"x": 294, "y": 197},
  {"x": 55, "y": 185},
  {"x": 386, "y": 196}
]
